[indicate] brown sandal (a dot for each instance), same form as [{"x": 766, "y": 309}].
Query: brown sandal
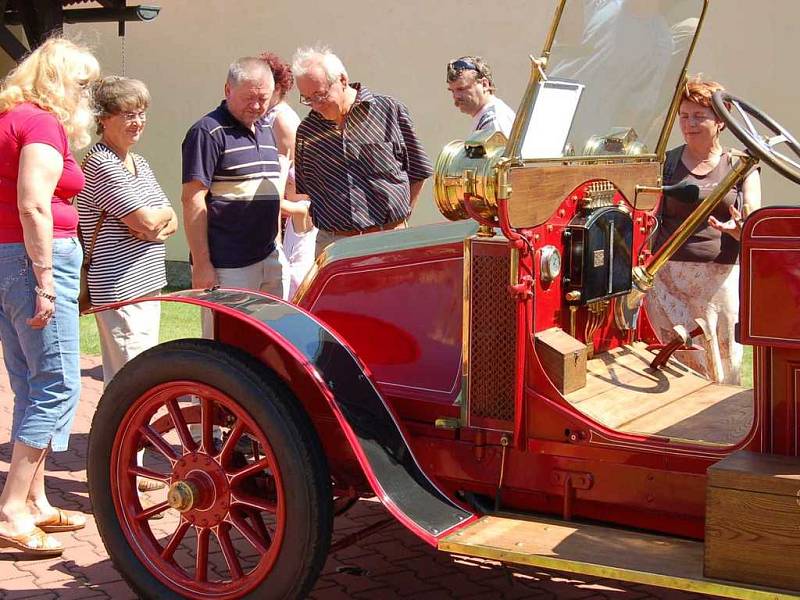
[
  {"x": 150, "y": 485},
  {"x": 62, "y": 520},
  {"x": 34, "y": 543}
]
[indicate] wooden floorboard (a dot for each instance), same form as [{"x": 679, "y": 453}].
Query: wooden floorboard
[
  {"x": 717, "y": 414},
  {"x": 622, "y": 392},
  {"x": 626, "y": 366},
  {"x": 599, "y": 551}
]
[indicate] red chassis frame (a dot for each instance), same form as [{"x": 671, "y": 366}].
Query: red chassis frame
[{"x": 559, "y": 462}]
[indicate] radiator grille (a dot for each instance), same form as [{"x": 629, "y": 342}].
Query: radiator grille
[{"x": 491, "y": 338}]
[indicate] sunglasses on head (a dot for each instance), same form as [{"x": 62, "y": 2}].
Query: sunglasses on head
[{"x": 462, "y": 64}]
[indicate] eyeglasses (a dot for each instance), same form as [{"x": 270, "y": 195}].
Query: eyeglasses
[
  {"x": 130, "y": 117},
  {"x": 317, "y": 98}
]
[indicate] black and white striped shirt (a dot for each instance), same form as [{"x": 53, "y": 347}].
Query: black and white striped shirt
[
  {"x": 123, "y": 266},
  {"x": 358, "y": 176}
]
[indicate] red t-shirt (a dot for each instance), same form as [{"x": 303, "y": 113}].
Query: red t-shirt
[{"x": 29, "y": 124}]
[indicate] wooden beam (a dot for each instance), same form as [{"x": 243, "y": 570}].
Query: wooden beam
[
  {"x": 8, "y": 41},
  {"x": 41, "y": 19}
]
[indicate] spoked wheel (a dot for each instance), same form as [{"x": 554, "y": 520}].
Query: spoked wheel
[{"x": 245, "y": 509}]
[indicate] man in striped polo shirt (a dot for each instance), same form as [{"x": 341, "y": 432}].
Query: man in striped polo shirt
[
  {"x": 469, "y": 80},
  {"x": 357, "y": 155},
  {"x": 232, "y": 187}
]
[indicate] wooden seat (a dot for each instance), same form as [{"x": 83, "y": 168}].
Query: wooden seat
[{"x": 623, "y": 393}]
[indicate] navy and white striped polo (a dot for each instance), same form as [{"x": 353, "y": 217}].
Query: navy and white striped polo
[
  {"x": 358, "y": 176},
  {"x": 240, "y": 168}
]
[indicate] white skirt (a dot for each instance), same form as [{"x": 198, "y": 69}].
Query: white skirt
[{"x": 684, "y": 291}]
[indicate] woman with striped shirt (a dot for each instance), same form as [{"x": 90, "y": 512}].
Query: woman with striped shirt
[{"x": 128, "y": 252}]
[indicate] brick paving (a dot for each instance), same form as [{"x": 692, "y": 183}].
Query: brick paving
[{"x": 389, "y": 564}]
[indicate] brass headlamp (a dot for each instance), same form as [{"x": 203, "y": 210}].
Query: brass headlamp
[{"x": 466, "y": 171}]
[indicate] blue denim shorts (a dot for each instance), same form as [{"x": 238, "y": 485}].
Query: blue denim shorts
[{"x": 43, "y": 365}]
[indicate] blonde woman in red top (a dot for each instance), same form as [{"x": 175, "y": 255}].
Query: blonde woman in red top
[{"x": 44, "y": 112}]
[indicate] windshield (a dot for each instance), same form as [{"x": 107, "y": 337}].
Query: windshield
[{"x": 612, "y": 72}]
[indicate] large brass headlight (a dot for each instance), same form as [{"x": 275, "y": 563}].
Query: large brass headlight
[{"x": 469, "y": 166}]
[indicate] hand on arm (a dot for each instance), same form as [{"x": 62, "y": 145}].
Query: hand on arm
[
  {"x": 151, "y": 224},
  {"x": 40, "y": 168},
  {"x": 289, "y": 208},
  {"x": 169, "y": 228},
  {"x": 298, "y": 213},
  {"x": 195, "y": 222}
]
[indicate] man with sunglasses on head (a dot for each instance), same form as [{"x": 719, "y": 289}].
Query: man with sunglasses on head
[
  {"x": 357, "y": 155},
  {"x": 469, "y": 80}
]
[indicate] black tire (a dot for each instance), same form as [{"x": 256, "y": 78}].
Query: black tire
[{"x": 267, "y": 400}]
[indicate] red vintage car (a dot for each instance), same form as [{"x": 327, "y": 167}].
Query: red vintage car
[{"x": 494, "y": 381}]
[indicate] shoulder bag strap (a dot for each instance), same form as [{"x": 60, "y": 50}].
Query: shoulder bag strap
[{"x": 87, "y": 252}]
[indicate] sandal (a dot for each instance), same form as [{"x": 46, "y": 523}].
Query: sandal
[
  {"x": 62, "y": 520},
  {"x": 150, "y": 485},
  {"x": 34, "y": 543}
]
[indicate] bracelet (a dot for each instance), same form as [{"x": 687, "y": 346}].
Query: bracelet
[
  {"x": 41, "y": 265},
  {"x": 41, "y": 293}
]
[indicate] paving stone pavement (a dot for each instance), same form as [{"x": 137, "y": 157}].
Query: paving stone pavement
[{"x": 389, "y": 564}]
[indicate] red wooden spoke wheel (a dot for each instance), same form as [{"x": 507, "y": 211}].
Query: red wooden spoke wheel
[
  {"x": 206, "y": 487},
  {"x": 246, "y": 505}
]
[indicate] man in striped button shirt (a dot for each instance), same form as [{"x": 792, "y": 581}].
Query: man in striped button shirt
[
  {"x": 357, "y": 155},
  {"x": 232, "y": 187},
  {"x": 469, "y": 80}
]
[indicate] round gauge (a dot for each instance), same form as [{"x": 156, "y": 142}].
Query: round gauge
[{"x": 550, "y": 266}]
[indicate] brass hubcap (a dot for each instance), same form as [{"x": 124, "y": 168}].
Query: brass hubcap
[{"x": 182, "y": 496}]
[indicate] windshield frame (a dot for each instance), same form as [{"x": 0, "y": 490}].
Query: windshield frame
[{"x": 540, "y": 66}]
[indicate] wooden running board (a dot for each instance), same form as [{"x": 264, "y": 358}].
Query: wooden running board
[{"x": 598, "y": 551}]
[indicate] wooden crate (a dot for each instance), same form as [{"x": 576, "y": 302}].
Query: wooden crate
[
  {"x": 564, "y": 359},
  {"x": 753, "y": 520}
]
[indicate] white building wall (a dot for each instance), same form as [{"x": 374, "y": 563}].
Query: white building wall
[{"x": 401, "y": 48}]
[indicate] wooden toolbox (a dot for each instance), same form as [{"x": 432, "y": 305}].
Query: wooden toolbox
[
  {"x": 753, "y": 520},
  {"x": 563, "y": 358}
]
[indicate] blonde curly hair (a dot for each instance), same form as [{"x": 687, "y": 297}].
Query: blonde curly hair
[{"x": 56, "y": 77}]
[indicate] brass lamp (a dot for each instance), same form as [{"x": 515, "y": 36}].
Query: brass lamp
[{"x": 468, "y": 169}]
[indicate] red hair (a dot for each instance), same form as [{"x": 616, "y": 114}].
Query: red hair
[
  {"x": 699, "y": 91},
  {"x": 281, "y": 71}
]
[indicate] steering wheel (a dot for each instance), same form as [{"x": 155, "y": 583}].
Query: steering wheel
[{"x": 762, "y": 146}]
